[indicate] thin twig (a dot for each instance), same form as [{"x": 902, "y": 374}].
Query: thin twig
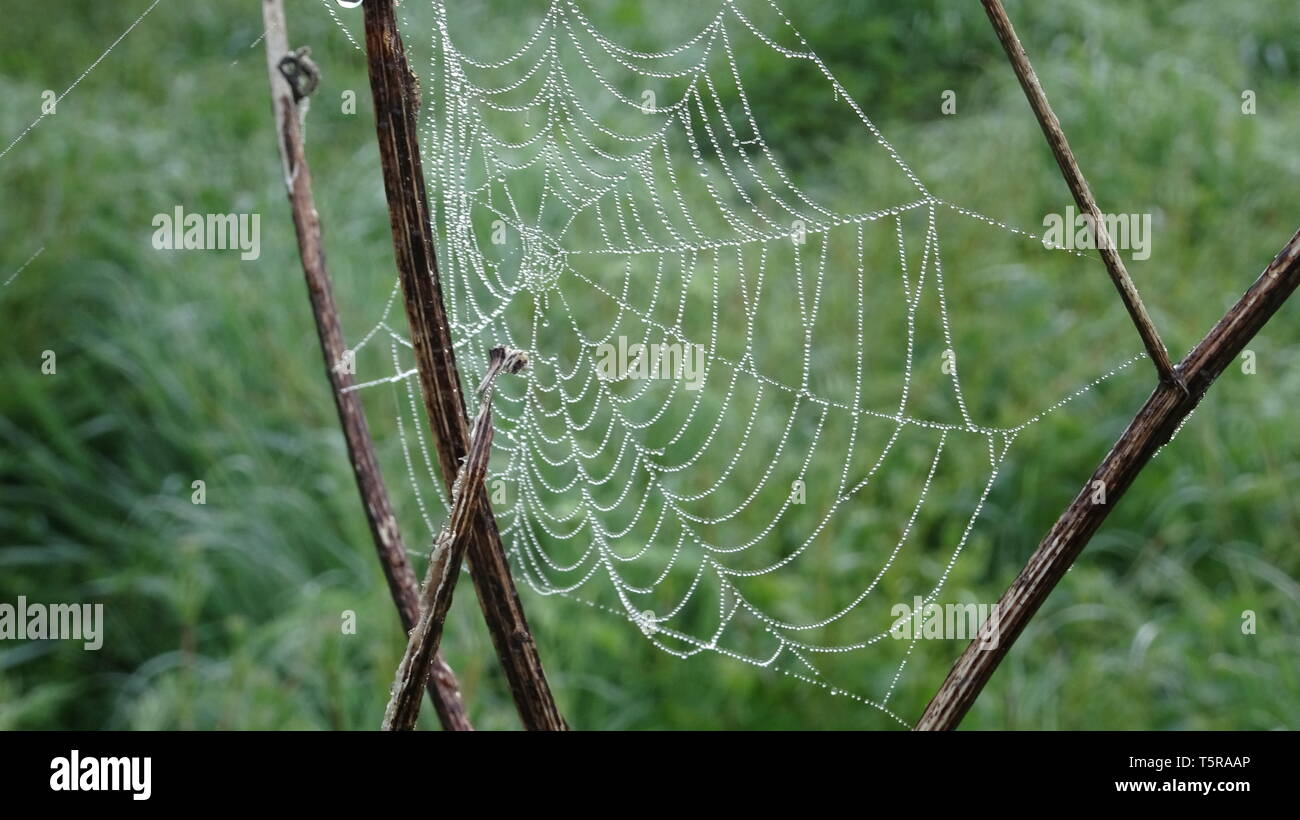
[
  {"x": 444, "y": 689},
  {"x": 447, "y": 554},
  {"x": 1079, "y": 188},
  {"x": 396, "y": 97},
  {"x": 1151, "y": 428}
]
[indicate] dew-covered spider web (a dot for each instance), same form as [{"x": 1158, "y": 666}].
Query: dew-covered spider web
[{"x": 835, "y": 449}]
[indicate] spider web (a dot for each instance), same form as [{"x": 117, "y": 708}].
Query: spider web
[{"x": 778, "y": 508}]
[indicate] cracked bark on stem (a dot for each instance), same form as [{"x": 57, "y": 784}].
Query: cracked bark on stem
[
  {"x": 443, "y": 687},
  {"x": 1151, "y": 428},
  {"x": 1079, "y": 189},
  {"x": 396, "y": 100},
  {"x": 447, "y": 554}
]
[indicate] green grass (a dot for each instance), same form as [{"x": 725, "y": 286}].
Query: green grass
[{"x": 176, "y": 367}]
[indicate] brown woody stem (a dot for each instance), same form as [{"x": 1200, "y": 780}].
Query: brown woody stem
[
  {"x": 1154, "y": 424},
  {"x": 447, "y": 555},
  {"x": 444, "y": 689},
  {"x": 393, "y": 87},
  {"x": 1079, "y": 188}
]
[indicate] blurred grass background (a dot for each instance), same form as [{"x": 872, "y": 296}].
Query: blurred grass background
[{"x": 177, "y": 367}]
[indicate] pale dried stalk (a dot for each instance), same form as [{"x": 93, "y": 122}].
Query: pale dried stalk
[{"x": 448, "y": 553}]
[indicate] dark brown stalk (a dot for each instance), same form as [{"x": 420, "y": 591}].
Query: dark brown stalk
[
  {"x": 396, "y": 99},
  {"x": 1079, "y": 188},
  {"x": 1154, "y": 424},
  {"x": 447, "y": 554},
  {"x": 443, "y": 686}
]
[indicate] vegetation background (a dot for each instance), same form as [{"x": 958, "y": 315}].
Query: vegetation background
[{"x": 175, "y": 367}]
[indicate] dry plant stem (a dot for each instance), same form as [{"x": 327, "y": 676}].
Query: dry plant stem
[
  {"x": 444, "y": 689},
  {"x": 446, "y": 557},
  {"x": 1079, "y": 188},
  {"x": 1151, "y": 428},
  {"x": 395, "y": 93}
]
